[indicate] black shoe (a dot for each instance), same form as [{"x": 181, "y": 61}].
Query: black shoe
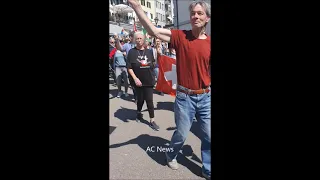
[
  {"x": 207, "y": 177},
  {"x": 139, "y": 117},
  {"x": 154, "y": 126}
]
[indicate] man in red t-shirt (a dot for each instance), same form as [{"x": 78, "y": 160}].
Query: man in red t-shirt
[{"x": 193, "y": 98}]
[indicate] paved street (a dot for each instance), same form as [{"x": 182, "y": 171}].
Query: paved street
[{"x": 129, "y": 141}]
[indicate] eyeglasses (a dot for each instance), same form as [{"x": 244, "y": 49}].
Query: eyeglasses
[{"x": 112, "y": 42}]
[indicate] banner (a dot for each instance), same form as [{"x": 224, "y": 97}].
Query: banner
[{"x": 167, "y": 80}]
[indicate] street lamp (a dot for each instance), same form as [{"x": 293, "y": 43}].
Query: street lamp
[{"x": 156, "y": 21}]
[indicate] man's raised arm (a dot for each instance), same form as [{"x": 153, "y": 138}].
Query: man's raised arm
[
  {"x": 117, "y": 43},
  {"x": 163, "y": 34}
]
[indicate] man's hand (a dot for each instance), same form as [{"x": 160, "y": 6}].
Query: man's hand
[
  {"x": 163, "y": 34},
  {"x": 159, "y": 50},
  {"x": 116, "y": 37},
  {"x": 138, "y": 82},
  {"x": 133, "y": 2}
]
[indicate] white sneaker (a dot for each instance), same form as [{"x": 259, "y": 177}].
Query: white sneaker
[
  {"x": 126, "y": 94},
  {"x": 173, "y": 164},
  {"x": 119, "y": 94}
]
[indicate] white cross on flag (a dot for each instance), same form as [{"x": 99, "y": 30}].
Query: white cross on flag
[{"x": 167, "y": 80}]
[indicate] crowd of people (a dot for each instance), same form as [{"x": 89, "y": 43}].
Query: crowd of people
[
  {"x": 136, "y": 60},
  {"x": 118, "y": 59}
]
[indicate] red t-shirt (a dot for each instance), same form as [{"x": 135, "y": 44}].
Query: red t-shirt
[{"x": 192, "y": 59}]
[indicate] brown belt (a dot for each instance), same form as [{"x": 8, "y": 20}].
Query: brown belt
[{"x": 191, "y": 92}]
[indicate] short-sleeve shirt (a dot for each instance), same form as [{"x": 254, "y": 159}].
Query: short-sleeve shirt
[
  {"x": 126, "y": 47},
  {"x": 142, "y": 64},
  {"x": 192, "y": 59}
]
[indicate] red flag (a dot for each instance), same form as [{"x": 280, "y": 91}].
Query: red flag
[
  {"x": 112, "y": 53},
  {"x": 134, "y": 25},
  {"x": 167, "y": 80}
]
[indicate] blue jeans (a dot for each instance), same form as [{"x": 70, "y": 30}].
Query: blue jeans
[
  {"x": 186, "y": 107},
  {"x": 156, "y": 72}
]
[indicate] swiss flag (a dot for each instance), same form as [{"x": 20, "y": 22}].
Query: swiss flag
[{"x": 167, "y": 80}]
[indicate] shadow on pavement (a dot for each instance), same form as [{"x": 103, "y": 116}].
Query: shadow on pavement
[
  {"x": 111, "y": 129},
  {"x": 114, "y": 93},
  {"x": 129, "y": 98},
  {"x": 125, "y": 115},
  {"x": 187, "y": 151},
  {"x": 146, "y": 141},
  {"x": 163, "y": 106},
  {"x": 171, "y": 128}
]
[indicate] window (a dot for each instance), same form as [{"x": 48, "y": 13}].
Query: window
[
  {"x": 163, "y": 18},
  {"x": 151, "y": 15},
  {"x": 148, "y": 4},
  {"x": 143, "y": 2}
]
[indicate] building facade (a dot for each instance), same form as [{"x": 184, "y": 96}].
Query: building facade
[
  {"x": 162, "y": 9},
  {"x": 149, "y": 10},
  {"x": 126, "y": 18},
  {"x": 160, "y": 12},
  {"x": 182, "y": 15},
  {"x": 169, "y": 11}
]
